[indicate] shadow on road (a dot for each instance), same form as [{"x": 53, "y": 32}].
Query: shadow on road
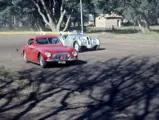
[
  {"x": 92, "y": 50},
  {"x": 157, "y": 31},
  {"x": 56, "y": 65},
  {"x": 100, "y": 91}
]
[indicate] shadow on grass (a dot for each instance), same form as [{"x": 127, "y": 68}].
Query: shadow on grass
[
  {"x": 116, "y": 31},
  {"x": 102, "y": 91},
  {"x": 157, "y": 31}
]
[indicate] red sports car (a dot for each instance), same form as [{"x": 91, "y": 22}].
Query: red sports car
[{"x": 44, "y": 49}]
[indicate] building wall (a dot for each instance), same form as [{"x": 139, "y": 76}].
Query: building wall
[
  {"x": 100, "y": 22},
  {"x": 113, "y": 23},
  {"x": 107, "y": 23}
]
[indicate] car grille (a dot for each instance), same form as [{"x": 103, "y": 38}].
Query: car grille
[
  {"x": 89, "y": 42},
  {"x": 61, "y": 56}
]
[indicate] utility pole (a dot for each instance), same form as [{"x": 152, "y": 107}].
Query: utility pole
[{"x": 81, "y": 16}]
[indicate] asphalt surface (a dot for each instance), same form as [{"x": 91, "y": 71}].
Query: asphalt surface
[
  {"x": 119, "y": 80},
  {"x": 10, "y": 57}
]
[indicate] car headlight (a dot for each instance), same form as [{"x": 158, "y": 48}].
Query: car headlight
[
  {"x": 94, "y": 41},
  {"x": 48, "y": 54},
  {"x": 75, "y": 53},
  {"x": 84, "y": 41}
]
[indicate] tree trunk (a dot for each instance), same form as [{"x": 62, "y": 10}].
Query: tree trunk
[
  {"x": 60, "y": 21},
  {"x": 144, "y": 26},
  {"x": 67, "y": 23},
  {"x": 140, "y": 26},
  {"x": 48, "y": 22},
  {"x": 38, "y": 26},
  {"x": 147, "y": 26},
  {"x": 144, "y": 23},
  {"x": 52, "y": 27}
]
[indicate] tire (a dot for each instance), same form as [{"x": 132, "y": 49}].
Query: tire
[
  {"x": 77, "y": 47},
  {"x": 96, "y": 47},
  {"x": 25, "y": 57},
  {"x": 42, "y": 63}
]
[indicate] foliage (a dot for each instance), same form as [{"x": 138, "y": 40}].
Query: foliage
[
  {"x": 54, "y": 14},
  {"x": 60, "y": 14},
  {"x": 141, "y": 12}
]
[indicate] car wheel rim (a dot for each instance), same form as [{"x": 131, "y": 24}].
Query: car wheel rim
[
  {"x": 25, "y": 58},
  {"x": 97, "y": 47},
  {"x": 76, "y": 46},
  {"x": 41, "y": 62}
]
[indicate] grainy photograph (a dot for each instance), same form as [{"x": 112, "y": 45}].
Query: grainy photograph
[{"x": 79, "y": 59}]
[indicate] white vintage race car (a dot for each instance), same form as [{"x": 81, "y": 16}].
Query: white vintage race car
[{"x": 79, "y": 41}]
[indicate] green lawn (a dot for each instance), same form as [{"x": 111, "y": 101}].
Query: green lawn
[{"x": 130, "y": 32}]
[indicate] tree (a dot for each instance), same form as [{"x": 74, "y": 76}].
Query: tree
[
  {"x": 14, "y": 12},
  {"x": 139, "y": 12},
  {"x": 6, "y": 11},
  {"x": 54, "y": 11}
]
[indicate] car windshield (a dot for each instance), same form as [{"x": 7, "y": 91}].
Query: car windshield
[
  {"x": 65, "y": 36},
  {"x": 48, "y": 41}
]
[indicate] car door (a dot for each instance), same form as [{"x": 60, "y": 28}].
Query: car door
[
  {"x": 27, "y": 49},
  {"x": 31, "y": 50},
  {"x": 34, "y": 51}
]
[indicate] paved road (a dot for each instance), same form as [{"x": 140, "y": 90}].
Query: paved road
[
  {"x": 120, "y": 79},
  {"x": 11, "y": 58}
]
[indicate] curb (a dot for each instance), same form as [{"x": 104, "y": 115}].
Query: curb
[{"x": 32, "y": 32}]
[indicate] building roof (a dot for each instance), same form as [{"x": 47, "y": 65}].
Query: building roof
[{"x": 112, "y": 15}]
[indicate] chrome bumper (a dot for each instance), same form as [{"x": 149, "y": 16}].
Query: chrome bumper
[{"x": 56, "y": 60}]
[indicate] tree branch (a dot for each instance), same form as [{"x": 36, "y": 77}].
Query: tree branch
[
  {"x": 60, "y": 20},
  {"x": 53, "y": 8},
  {"x": 62, "y": 4},
  {"x": 68, "y": 20},
  {"x": 40, "y": 12},
  {"x": 47, "y": 11},
  {"x": 67, "y": 23}
]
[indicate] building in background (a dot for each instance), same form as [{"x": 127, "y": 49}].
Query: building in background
[{"x": 108, "y": 21}]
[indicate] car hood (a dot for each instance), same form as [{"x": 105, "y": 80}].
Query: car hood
[{"x": 55, "y": 48}]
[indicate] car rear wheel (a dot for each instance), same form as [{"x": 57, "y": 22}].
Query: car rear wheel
[
  {"x": 25, "y": 57},
  {"x": 42, "y": 62},
  {"x": 77, "y": 47}
]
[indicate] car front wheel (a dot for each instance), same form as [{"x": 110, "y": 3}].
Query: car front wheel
[
  {"x": 77, "y": 47},
  {"x": 42, "y": 62},
  {"x": 96, "y": 47},
  {"x": 25, "y": 57}
]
